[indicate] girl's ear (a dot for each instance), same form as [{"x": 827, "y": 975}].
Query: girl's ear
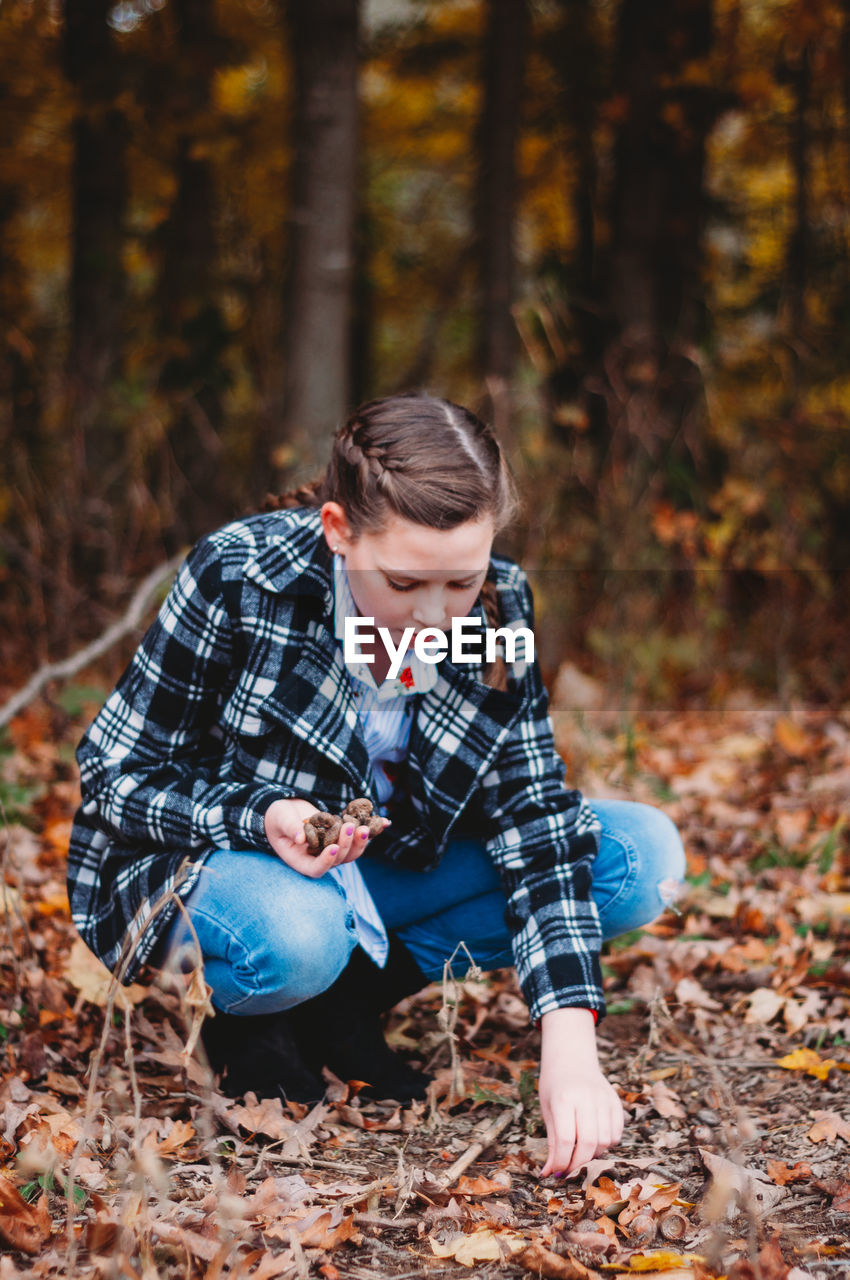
[{"x": 336, "y": 527}]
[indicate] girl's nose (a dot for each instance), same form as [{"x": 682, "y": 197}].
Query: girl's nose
[{"x": 430, "y": 611}]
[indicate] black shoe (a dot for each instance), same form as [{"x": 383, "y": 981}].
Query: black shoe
[
  {"x": 258, "y": 1053},
  {"x": 341, "y": 1028}
]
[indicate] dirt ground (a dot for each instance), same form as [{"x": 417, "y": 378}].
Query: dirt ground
[{"x": 727, "y": 1038}]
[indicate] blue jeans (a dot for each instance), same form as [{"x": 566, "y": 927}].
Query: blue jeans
[{"x": 271, "y": 938}]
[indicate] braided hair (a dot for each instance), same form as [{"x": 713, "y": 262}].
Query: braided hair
[{"x": 421, "y": 458}]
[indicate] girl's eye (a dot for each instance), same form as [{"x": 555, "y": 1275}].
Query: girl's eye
[{"x": 411, "y": 586}]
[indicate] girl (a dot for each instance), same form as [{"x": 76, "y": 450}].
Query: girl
[{"x": 238, "y": 718}]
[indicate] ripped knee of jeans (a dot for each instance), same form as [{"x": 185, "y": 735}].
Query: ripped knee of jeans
[{"x": 670, "y": 889}]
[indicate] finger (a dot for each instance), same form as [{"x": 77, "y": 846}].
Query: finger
[
  {"x": 307, "y": 864},
  {"x": 359, "y": 841},
  {"x": 584, "y": 1150},
  {"x": 561, "y": 1146}
]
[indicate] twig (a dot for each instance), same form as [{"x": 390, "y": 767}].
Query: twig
[
  {"x": 488, "y": 1137},
  {"x": 70, "y": 666},
  {"x": 375, "y": 1220}
]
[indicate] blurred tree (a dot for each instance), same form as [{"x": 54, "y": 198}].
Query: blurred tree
[
  {"x": 95, "y": 69},
  {"x": 323, "y": 38},
  {"x": 191, "y": 327},
  {"x": 663, "y": 107},
  {"x": 496, "y": 201}
]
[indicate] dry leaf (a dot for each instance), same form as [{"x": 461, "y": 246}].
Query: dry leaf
[
  {"x": 94, "y": 981},
  {"x": 483, "y": 1186},
  {"x": 809, "y": 1061},
  {"x": 326, "y": 1229},
  {"x": 665, "y": 1102},
  {"x": 782, "y": 1174},
  {"x": 690, "y": 992},
  {"x": 733, "y": 1184},
  {"x": 353, "y": 1115},
  {"x": 829, "y": 1126},
  {"x": 605, "y": 1193},
  {"x": 543, "y": 1262},
  {"x": 663, "y": 1260},
  {"x": 23, "y": 1226},
  {"x": 265, "y": 1116},
  {"x": 770, "y": 1266},
  {"x": 483, "y": 1245},
  {"x": 763, "y": 1005}
]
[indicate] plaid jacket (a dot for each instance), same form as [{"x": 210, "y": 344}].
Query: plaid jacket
[{"x": 238, "y": 696}]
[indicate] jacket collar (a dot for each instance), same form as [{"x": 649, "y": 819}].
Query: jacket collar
[{"x": 294, "y": 557}]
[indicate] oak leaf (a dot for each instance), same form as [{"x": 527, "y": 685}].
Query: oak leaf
[
  {"x": 23, "y": 1226},
  {"x": 829, "y": 1126}
]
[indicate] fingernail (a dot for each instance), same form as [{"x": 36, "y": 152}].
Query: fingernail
[
  {"x": 333, "y": 851},
  {"x": 349, "y": 831},
  {"x": 364, "y": 835},
  {"x": 559, "y": 1175}
]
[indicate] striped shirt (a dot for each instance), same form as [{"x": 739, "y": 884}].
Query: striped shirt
[{"x": 385, "y": 715}]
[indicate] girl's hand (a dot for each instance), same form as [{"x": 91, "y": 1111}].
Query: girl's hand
[
  {"x": 284, "y": 822},
  {"x": 581, "y": 1110}
]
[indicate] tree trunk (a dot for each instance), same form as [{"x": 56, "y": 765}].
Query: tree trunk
[
  {"x": 318, "y": 299},
  {"x": 193, "y": 374},
  {"x": 652, "y": 381},
  {"x": 498, "y": 133},
  {"x": 99, "y": 201},
  {"x": 798, "y": 244}
]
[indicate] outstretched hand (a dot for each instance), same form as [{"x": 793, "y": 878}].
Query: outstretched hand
[
  {"x": 582, "y": 1111},
  {"x": 284, "y": 822}
]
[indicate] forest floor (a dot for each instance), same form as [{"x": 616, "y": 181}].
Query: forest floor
[{"x": 728, "y": 1038}]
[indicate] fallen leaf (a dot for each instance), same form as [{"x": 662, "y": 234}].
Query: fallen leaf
[
  {"x": 763, "y": 1005},
  {"x": 353, "y": 1115},
  {"x": 690, "y": 992},
  {"x": 555, "y": 1266},
  {"x": 327, "y": 1229},
  {"x": 604, "y": 1194},
  {"x": 483, "y": 1245},
  {"x": 483, "y": 1186},
  {"x": 770, "y": 1265},
  {"x": 175, "y": 1140},
  {"x": 792, "y": 738},
  {"x": 809, "y": 1061},
  {"x": 782, "y": 1174},
  {"x": 663, "y": 1260},
  {"x": 732, "y": 1184},
  {"x": 94, "y": 982},
  {"x": 22, "y": 1225},
  {"x": 265, "y": 1116},
  {"x": 665, "y": 1102},
  {"x": 828, "y": 1127}
]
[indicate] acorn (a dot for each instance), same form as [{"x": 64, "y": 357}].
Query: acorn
[
  {"x": 360, "y": 812},
  {"x": 674, "y": 1225},
  {"x": 642, "y": 1229},
  {"x": 321, "y": 829}
]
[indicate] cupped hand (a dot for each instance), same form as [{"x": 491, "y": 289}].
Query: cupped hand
[{"x": 284, "y": 823}]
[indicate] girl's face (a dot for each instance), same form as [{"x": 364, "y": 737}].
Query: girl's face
[{"x": 410, "y": 575}]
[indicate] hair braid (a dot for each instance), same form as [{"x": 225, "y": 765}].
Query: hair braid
[
  {"x": 417, "y": 457},
  {"x": 496, "y": 672}
]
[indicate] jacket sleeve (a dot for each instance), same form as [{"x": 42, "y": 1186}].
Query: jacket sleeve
[
  {"x": 150, "y": 760},
  {"x": 544, "y": 837}
]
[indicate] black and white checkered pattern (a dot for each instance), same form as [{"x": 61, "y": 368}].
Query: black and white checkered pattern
[{"x": 238, "y": 696}]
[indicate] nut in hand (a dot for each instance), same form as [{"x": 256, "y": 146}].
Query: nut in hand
[{"x": 322, "y": 829}]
